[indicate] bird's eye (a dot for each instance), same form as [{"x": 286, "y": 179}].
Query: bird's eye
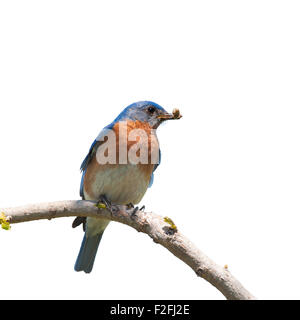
[{"x": 151, "y": 109}]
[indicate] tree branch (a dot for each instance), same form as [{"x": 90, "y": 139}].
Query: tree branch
[{"x": 161, "y": 230}]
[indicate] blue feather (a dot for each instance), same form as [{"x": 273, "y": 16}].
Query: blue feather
[
  {"x": 155, "y": 167},
  {"x": 90, "y": 154},
  {"x": 87, "y": 253}
]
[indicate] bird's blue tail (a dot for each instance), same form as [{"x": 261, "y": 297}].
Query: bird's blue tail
[{"x": 87, "y": 253}]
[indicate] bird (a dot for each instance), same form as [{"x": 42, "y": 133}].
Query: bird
[{"x": 121, "y": 180}]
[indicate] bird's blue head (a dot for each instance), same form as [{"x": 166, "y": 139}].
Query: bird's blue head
[{"x": 145, "y": 111}]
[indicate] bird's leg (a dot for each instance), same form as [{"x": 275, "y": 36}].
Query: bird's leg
[
  {"x": 103, "y": 203},
  {"x": 129, "y": 205},
  {"x": 133, "y": 209}
]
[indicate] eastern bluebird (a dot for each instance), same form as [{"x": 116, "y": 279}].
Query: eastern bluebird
[{"x": 119, "y": 181}]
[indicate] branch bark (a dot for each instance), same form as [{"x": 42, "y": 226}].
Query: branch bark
[{"x": 160, "y": 229}]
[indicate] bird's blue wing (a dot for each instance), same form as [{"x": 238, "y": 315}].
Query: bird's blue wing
[
  {"x": 86, "y": 162},
  {"x": 81, "y": 185},
  {"x": 155, "y": 167},
  {"x": 92, "y": 151},
  {"x": 88, "y": 157}
]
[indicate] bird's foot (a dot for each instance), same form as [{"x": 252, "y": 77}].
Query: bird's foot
[
  {"x": 103, "y": 203},
  {"x": 132, "y": 210},
  {"x": 129, "y": 205}
]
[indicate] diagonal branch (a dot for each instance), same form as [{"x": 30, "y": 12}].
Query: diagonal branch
[{"x": 161, "y": 230}]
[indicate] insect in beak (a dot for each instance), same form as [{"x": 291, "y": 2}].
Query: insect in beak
[{"x": 175, "y": 115}]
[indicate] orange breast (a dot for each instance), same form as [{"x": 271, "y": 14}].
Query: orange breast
[{"x": 140, "y": 137}]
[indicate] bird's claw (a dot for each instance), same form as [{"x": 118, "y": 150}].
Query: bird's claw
[
  {"x": 131, "y": 209},
  {"x": 103, "y": 203},
  {"x": 134, "y": 210},
  {"x": 129, "y": 205}
]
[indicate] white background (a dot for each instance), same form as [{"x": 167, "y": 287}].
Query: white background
[{"x": 230, "y": 171}]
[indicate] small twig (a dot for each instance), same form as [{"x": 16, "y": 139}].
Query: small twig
[{"x": 161, "y": 230}]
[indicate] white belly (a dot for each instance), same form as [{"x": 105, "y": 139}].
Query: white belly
[{"x": 121, "y": 184}]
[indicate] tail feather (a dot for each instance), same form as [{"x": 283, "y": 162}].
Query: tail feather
[{"x": 87, "y": 253}]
